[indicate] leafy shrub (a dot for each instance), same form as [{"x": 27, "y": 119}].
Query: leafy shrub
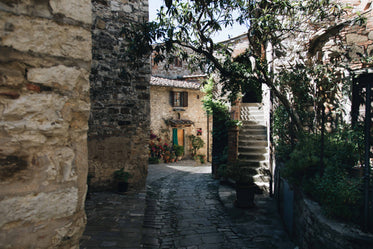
[
  {"x": 330, "y": 181},
  {"x": 339, "y": 194},
  {"x": 197, "y": 143},
  {"x": 179, "y": 150},
  {"x": 121, "y": 175}
]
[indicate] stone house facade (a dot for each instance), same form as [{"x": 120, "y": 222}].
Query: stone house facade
[
  {"x": 45, "y": 62},
  {"x": 119, "y": 118},
  {"x": 177, "y": 112},
  {"x": 177, "y": 108}
]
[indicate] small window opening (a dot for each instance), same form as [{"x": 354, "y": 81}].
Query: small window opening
[{"x": 367, "y": 6}]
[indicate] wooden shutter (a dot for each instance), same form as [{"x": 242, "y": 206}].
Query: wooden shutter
[
  {"x": 172, "y": 100},
  {"x": 184, "y": 99}
]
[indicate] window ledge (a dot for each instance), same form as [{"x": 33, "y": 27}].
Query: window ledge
[{"x": 179, "y": 109}]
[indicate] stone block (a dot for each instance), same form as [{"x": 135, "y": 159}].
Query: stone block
[
  {"x": 61, "y": 77},
  {"x": 35, "y": 112},
  {"x": 39, "y": 207},
  {"x": 11, "y": 74},
  {"x": 45, "y": 37},
  {"x": 27, "y": 7},
  {"x": 355, "y": 39},
  {"x": 79, "y": 10}
]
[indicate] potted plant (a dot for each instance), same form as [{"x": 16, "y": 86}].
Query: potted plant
[
  {"x": 167, "y": 157},
  {"x": 242, "y": 175},
  {"x": 197, "y": 143},
  {"x": 179, "y": 151},
  {"x": 201, "y": 158},
  {"x": 121, "y": 177},
  {"x": 172, "y": 157}
]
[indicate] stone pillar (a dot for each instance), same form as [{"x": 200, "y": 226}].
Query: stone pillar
[
  {"x": 233, "y": 144},
  {"x": 45, "y": 58},
  {"x": 120, "y": 113}
]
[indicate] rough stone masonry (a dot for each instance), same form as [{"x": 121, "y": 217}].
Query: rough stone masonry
[
  {"x": 120, "y": 114},
  {"x": 45, "y": 62}
]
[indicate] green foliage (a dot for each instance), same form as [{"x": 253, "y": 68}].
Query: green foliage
[
  {"x": 179, "y": 150},
  {"x": 283, "y": 134},
  {"x": 222, "y": 170},
  {"x": 339, "y": 194},
  {"x": 331, "y": 182},
  {"x": 200, "y": 158},
  {"x": 121, "y": 175},
  {"x": 154, "y": 160},
  {"x": 197, "y": 143},
  {"x": 220, "y": 112},
  {"x": 343, "y": 149}
]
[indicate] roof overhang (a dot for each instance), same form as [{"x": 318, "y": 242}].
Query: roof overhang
[{"x": 180, "y": 123}]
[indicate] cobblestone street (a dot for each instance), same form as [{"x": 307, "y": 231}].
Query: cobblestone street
[{"x": 184, "y": 208}]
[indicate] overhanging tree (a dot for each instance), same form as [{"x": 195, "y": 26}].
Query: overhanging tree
[{"x": 302, "y": 81}]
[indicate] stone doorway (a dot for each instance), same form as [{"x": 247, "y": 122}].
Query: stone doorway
[{"x": 252, "y": 93}]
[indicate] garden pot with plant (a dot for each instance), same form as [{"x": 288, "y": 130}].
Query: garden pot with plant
[
  {"x": 196, "y": 143},
  {"x": 245, "y": 187},
  {"x": 179, "y": 151},
  {"x": 121, "y": 178}
]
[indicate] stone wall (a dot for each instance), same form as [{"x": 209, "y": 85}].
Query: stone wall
[
  {"x": 161, "y": 110},
  {"x": 45, "y": 58},
  {"x": 119, "y": 120},
  {"x": 176, "y": 70},
  {"x": 312, "y": 230}
]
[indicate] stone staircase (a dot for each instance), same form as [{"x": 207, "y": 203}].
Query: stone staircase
[{"x": 253, "y": 144}]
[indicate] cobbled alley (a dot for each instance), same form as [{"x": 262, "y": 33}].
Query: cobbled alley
[{"x": 183, "y": 207}]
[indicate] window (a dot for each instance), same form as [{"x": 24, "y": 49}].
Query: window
[
  {"x": 179, "y": 99},
  {"x": 178, "y": 62}
]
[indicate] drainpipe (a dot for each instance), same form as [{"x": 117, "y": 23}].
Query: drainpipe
[
  {"x": 208, "y": 137},
  {"x": 367, "y": 156}
]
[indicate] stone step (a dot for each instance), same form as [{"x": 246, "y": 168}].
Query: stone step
[
  {"x": 256, "y": 118},
  {"x": 252, "y": 137},
  {"x": 252, "y": 113},
  {"x": 261, "y": 178},
  {"x": 246, "y": 105},
  {"x": 264, "y": 186},
  {"x": 252, "y": 156},
  {"x": 262, "y": 165},
  {"x": 250, "y": 125},
  {"x": 251, "y": 122},
  {"x": 249, "y": 130},
  {"x": 252, "y": 143},
  {"x": 253, "y": 149}
]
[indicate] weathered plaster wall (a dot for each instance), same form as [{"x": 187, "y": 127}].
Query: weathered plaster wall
[
  {"x": 119, "y": 120},
  {"x": 161, "y": 110},
  {"x": 45, "y": 58}
]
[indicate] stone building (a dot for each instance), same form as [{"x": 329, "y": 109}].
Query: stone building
[
  {"x": 45, "y": 61},
  {"x": 176, "y": 105},
  {"x": 177, "y": 112},
  {"x": 119, "y": 121}
]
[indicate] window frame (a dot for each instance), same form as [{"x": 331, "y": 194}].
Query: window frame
[{"x": 179, "y": 99}]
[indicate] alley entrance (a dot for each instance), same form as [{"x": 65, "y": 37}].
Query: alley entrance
[{"x": 183, "y": 207}]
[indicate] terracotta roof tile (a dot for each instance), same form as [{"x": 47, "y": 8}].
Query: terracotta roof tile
[
  {"x": 158, "y": 81},
  {"x": 180, "y": 122}
]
